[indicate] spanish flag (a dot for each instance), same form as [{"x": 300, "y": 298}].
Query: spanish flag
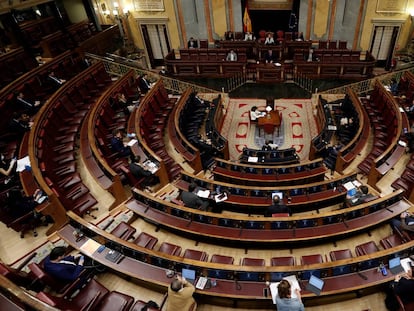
[{"x": 247, "y": 23}]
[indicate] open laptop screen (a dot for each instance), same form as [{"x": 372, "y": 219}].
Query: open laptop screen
[
  {"x": 317, "y": 282},
  {"x": 188, "y": 274}
]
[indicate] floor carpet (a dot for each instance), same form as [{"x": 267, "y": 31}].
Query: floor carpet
[{"x": 297, "y": 128}]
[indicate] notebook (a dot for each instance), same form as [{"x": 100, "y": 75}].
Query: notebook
[
  {"x": 395, "y": 265},
  {"x": 315, "y": 285},
  {"x": 189, "y": 275}
]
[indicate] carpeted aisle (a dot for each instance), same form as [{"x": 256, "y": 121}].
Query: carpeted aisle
[{"x": 297, "y": 128}]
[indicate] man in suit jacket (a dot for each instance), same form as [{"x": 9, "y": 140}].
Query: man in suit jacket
[
  {"x": 192, "y": 200},
  {"x": 192, "y": 44},
  {"x": 403, "y": 286},
  {"x": 406, "y": 222},
  {"x": 277, "y": 208},
  {"x": 144, "y": 84},
  {"x": 26, "y": 104}
]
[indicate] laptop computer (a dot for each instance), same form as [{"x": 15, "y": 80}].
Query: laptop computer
[
  {"x": 315, "y": 285},
  {"x": 395, "y": 265},
  {"x": 189, "y": 275}
]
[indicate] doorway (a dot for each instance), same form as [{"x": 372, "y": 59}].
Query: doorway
[
  {"x": 383, "y": 44},
  {"x": 156, "y": 43}
]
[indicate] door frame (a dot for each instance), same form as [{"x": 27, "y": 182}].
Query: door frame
[{"x": 152, "y": 21}]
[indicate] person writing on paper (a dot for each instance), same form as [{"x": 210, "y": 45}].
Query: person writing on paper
[
  {"x": 180, "y": 295},
  {"x": 191, "y": 199},
  {"x": 403, "y": 286},
  {"x": 284, "y": 301},
  {"x": 256, "y": 113}
]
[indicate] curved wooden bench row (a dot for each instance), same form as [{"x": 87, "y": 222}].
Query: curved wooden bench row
[
  {"x": 213, "y": 126},
  {"x": 190, "y": 153},
  {"x": 255, "y": 230},
  {"x": 382, "y": 158},
  {"x": 50, "y": 159},
  {"x": 14, "y": 64},
  {"x": 149, "y": 133},
  {"x": 247, "y": 198},
  {"x": 322, "y": 116},
  {"x": 349, "y": 152},
  {"x": 259, "y": 175},
  {"x": 33, "y": 84},
  {"x": 149, "y": 266},
  {"x": 94, "y": 140},
  {"x": 277, "y": 157}
]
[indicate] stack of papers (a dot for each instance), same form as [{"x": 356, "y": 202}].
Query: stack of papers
[
  {"x": 203, "y": 193},
  {"x": 294, "y": 284}
]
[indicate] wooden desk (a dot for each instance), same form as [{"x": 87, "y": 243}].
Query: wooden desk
[{"x": 269, "y": 122}]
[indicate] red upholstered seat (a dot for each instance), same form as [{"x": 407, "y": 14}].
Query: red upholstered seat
[
  {"x": 391, "y": 241},
  {"x": 170, "y": 249},
  {"x": 88, "y": 298},
  {"x": 139, "y": 304},
  {"x": 222, "y": 259},
  {"x": 311, "y": 259},
  {"x": 115, "y": 301},
  {"x": 146, "y": 240},
  {"x": 282, "y": 261},
  {"x": 340, "y": 254},
  {"x": 195, "y": 255},
  {"x": 253, "y": 262},
  {"x": 124, "y": 231},
  {"x": 366, "y": 248}
]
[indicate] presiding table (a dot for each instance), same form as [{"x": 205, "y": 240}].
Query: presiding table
[{"x": 269, "y": 122}]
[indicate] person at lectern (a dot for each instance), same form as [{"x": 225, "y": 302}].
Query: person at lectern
[{"x": 284, "y": 300}]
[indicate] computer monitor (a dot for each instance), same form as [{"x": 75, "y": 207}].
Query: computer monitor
[{"x": 279, "y": 194}]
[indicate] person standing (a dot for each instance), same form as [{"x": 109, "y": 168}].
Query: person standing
[
  {"x": 180, "y": 295},
  {"x": 231, "y": 56},
  {"x": 284, "y": 300}
]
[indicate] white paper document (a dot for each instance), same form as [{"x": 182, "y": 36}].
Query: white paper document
[{"x": 203, "y": 193}]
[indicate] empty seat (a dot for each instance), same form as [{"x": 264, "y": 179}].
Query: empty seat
[
  {"x": 366, "y": 248},
  {"x": 340, "y": 254},
  {"x": 253, "y": 262},
  {"x": 139, "y": 305},
  {"x": 115, "y": 301},
  {"x": 146, "y": 240},
  {"x": 195, "y": 255},
  {"x": 170, "y": 249},
  {"x": 88, "y": 298},
  {"x": 222, "y": 259},
  {"x": 391, "y": 241},
  {"x": 282, "y": 261},
  {"x": 123, "y": 231},
  {"x": 311, "y": 259}
]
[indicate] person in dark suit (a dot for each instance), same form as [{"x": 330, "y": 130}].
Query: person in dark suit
[
  {"x": 139, "y": 171},
  {"x": 403, "y": 286},
  {"x": 192, "y": 200},
  {"x": 20, "y": 124},
  {"x": 277, "y": 207},
  {"x": 30, "y": 107},
  {"x": 61, "y": 267},
  {"x": 118, "y": 145},
  {"x": 144, "y": 84},
  {"x": 192, "y": 43},
  {"x": 270, "y": 57},
  {"x": 57, "y": 82},
  {"x": 406, "y": 222}
]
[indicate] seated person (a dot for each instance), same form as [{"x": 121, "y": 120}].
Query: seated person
[
  {"x": 256, "y": 113},
  {"x": 180, "y": 294},
  {"x": 229, "y": 35},
  {"x": 284, "y": 300},
  {"x": 118, "y": 145},
  {"x": 61, "y": 267},
  {"x": 403, "y": 286},
  {"x": 248, "y": 36},
  {"x": 406, "y": 222},
  {"x": 231, "y": 56},
  {"x": 20, "y": 124},
  {"x": 192, "y": 43},
  {"x": 360, "y": 196},
  {"x": 191, "y": 199},
  {"x": 26, "y": 104},
  {"x": 144, "y": 84},
  {"x": 55, "y": 80},
  {"x": 266, "y": 146},
  {"x": 277, "y": 208},
  {"x": 139, "y": 171},
  {"x": 269, "y": 39},
  {"x": 6, "y": 167}
]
